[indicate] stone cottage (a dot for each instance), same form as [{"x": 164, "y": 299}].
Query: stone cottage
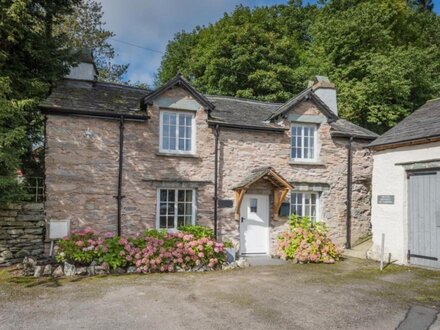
[{"x": 125, "y": 159}]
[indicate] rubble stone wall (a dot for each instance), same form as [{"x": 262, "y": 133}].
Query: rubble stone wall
[{"x": 21, "y": 232}]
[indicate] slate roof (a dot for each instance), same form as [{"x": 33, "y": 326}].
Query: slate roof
[
  {"x": 87, "y": 96},
  {"x": 421, "y": 124},
  {"x": 102, "y": 97},
  {"x": 259, "y": 173},
  {"x": 243, "y": 112}
]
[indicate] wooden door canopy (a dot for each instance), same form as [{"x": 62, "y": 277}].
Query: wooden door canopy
[{"x": 280, "y": 188}]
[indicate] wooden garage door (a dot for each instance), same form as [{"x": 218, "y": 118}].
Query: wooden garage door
[{"x": 424, "y": 218}]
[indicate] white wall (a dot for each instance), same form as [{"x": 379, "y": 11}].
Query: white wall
[
  {"x": 390, "y": 179},
  {"x": 83, "y": 71}
]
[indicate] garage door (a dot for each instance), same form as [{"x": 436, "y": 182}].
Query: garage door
[{"x": 424, "y": 218}]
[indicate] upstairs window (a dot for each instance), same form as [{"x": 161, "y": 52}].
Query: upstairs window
[
  {"x": 177, "y": 132},
  {"x": 303, "y": 142}
]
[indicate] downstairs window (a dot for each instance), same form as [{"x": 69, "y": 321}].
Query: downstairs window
[{"x": 176, "y": 208}]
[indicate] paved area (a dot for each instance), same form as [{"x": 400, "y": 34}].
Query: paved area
[
  {"x": 359, "y": 251},
  {"x": 264, "y": 261},
  {"x": 352, "y": 294},
  {"x": 418, "y": 318}
]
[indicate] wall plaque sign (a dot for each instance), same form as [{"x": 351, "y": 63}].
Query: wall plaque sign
[{"x": 385, "y": 199}]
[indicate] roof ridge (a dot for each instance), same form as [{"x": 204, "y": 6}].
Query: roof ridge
[
  {"x": 97, "y": 82},
  {"x": 241, "y": 99}
]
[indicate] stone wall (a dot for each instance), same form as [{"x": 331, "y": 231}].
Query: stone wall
[
  {"x": 21, "y": 232},
  {"x": 82, "y": 171}
]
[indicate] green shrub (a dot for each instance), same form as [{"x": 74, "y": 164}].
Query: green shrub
[
  {"x": 197, "y": 231},
  {"x": 305, "y": 242}
]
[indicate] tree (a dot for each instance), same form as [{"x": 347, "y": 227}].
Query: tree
[
  {"x": 249, "y": 53},
  {"x": 30, "y": 59},
  {"x": 422, "y": 4},
  {"x": 383, "y": 56},
  {"x": 85, "y": 28}
]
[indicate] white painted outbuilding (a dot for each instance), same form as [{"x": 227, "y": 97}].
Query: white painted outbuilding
[{"x": 406, "y": 190}]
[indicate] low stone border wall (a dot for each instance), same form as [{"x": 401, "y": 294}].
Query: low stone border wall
[{"x": 21, "y": 232}]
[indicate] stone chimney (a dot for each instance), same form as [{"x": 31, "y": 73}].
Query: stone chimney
[
  {"x": 326, "y": 91},
  {"x": 85, "y": 69}
]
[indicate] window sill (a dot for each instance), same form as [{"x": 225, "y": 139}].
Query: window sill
[
  {"x": 169, "y": 154},
  {"x": 295, "y": 162}
]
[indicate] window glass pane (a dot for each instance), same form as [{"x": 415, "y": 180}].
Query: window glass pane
[
  {"x": 166, "y": 118},
  {"x": 188, "y": 209},
  {"x": 188, "y": 120},
  {"x": 163, "y": 195},
  {"x": 188, "y": 220},
  {"x": 181, "y": 144},
  {"x": 171, "y": 222},
  {"x": 173, "y": 119},
  {"x": 163, "y": 222},
  {"x": 163, "y": 208},
  {"x": 180, "y": 221},
  {"x": 189, "y": 194},
  {"x": 181, "y": 120},
  {"x": 180, "y": 208},
  {"x": 181, "y": 195},
  {"x": 253, "y": 205},
  {"x": 182, "y": 132}
]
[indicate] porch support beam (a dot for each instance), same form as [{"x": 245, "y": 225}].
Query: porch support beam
[
  {"x": 239, "y": 194},
  {"x": 278, "y": 198}
]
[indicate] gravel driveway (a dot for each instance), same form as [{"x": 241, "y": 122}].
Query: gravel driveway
[{"x": 352, "y": 294}]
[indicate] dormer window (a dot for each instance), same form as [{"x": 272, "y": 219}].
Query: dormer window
[
  {"x": 177, "y": 131},
  {"x": 303, "y": 142}
]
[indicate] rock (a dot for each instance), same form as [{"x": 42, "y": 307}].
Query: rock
[
  {"x": 38, "y": 271},
  {"x": 131, "y": 270},
  {"x": 180, "y": 269},
  {"x": 6, "y": 255},
  {"x": 119, "y": 270},
  {"x": 29, "y": 264},
  {"x": 69, "y": 270},
  {"x": 105, "y": 266},
  {"x": 99, "y": 270},
  {"x": 58, "y": 272},
  {"x": 91, "y": 270},
  {"x": 81, "y": 271},
  {"x": 242, "y": 263},
  {"x": 47, "y": 270}
]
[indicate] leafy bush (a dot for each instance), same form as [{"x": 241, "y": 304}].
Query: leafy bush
[
  {"x": 305, "y": 242},
  {"x": 197, "y": 231},
  {"x": 154, "y": 251}
]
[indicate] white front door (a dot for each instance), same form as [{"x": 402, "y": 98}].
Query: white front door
[{"x": 254, "y": 224}]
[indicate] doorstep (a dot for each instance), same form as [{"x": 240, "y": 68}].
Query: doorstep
[{"x": 264, "y": 260}]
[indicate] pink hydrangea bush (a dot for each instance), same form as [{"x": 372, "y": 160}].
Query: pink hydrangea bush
[
  {"x": 306, "y": 243},
  {"x": 154, "y": 251}
]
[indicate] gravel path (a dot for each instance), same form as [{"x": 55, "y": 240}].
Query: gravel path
[{"x": 352, "y": 294}]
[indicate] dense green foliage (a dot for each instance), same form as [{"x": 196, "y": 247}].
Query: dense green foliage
[
  {"x": 30, "y": 59},
  {"x": 383, "y": 55},
  {"x": 38, "y": 43},
  {"x": 152, "y": 251},
  {"x": 305, "y": 243}
]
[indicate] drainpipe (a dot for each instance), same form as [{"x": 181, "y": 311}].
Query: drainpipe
[
  {"x": 217, "y": 135},
  {"x": 349, "y": 190},
  {"x": 119, "y": 197}
]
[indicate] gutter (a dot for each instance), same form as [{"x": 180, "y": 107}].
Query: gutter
[
  {"x": 349, "y": 191},
  {"x": 247, "y": 127},
  {"x": 96, "y": 114},
  {"x": 119, "y": 197},
  {"x": 217, "y": 136}
]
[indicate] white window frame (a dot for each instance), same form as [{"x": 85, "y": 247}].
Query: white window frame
[
  {"x": 193, "y": 213},
  {"x": 315, "y": 143},
  {"x": 303, "y": 192},
  {"x": 193, "y": 133}
]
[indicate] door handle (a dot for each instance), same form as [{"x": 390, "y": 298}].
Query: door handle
[{"x": 242, "y": 219}]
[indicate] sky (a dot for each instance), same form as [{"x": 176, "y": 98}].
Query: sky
[{"x": 152, "y": 23}]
